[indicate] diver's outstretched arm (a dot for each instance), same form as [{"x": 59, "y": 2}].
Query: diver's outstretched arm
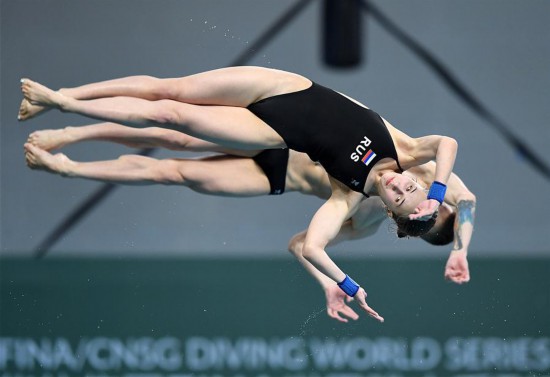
[{"x": 464, "y": 200}]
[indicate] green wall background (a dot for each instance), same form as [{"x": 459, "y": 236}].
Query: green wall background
[{"x": 211, "y": 317}]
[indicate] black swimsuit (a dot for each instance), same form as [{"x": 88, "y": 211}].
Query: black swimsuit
[
  {"x": 274, "y": 163},
  {"x": 346, "y": 138}
]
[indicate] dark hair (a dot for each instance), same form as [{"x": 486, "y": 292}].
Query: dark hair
[
  {"x": 445, "y": 233},
  {"x": 416, "y": 228},
  {"x": 413, "y": 228}
]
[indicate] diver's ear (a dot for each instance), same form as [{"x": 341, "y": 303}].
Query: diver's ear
[{"x": 389, "y": 213}]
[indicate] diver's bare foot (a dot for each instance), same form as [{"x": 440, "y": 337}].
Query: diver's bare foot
[
  {"x": 40, "y": 159},
  {"x": 49, "y": 140},
  {"x": 27, "y": 110},
  {"x": 38, "y": 94}
]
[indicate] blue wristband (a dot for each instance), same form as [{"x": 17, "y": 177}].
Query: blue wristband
[
  {"x": 349, "y": 286},
  {"x": 437, "y": 191}
]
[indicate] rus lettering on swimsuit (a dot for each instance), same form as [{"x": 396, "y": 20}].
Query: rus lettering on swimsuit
[{"x": 360, "y": 149}]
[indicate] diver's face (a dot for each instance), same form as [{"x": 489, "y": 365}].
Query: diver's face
[{"x": 400, "y": 193}]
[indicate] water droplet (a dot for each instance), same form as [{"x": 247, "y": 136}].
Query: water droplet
[{"x": 308, "y": 319}]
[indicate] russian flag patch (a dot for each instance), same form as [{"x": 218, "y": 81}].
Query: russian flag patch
[{"x": 368, "y": 157}]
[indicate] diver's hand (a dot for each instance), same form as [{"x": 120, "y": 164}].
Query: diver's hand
[
  {"x": 336, "y": 304},
  {"x": 456, "y": 269},
  {"x": 360, "y": 297},
  {"x": 424, "y": 210}
]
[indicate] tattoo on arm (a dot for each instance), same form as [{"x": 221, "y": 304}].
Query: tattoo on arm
[{"x": 466, "y": 214}]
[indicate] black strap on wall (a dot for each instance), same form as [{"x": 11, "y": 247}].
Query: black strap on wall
[
  {"x": 459, "y": 89},
  {"x": 107, "y": 188},
  {"x": 78, "y": 213}
]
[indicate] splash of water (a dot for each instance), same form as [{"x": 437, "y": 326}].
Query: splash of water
[{"x": 309, "y": 319}]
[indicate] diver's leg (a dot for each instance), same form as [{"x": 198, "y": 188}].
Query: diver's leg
[
  {"x": 232, "y": 127},
  {"x": 151, "y": 137},
  {"x": 218, "y": 175}
]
